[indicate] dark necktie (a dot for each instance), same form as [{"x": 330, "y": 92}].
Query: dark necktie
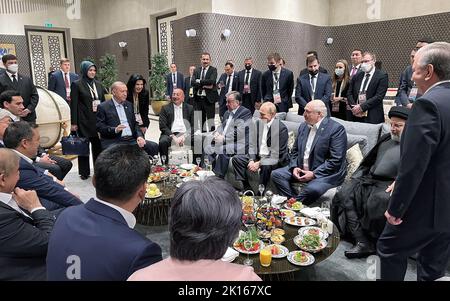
[
  {"x": 247, "y": 77},
  {"x": 228, "y": 83},
  {"x": 174, "y": 80},
  {"x": 313, "y": 86},
  {"x": 66, "y": 80},
  {"x": 366, "y": 81},
  {"x": 14, "y": 80},
  {"x": 276, "y": 76},
  {"x": 203, "y": 73}
]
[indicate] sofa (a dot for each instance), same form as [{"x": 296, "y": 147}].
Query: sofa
[{"x": 361, "y": 138}]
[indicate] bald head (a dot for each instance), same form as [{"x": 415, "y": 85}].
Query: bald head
[
  {"x": 119, "y": 91},
  {"x": 9, "y": 162}
]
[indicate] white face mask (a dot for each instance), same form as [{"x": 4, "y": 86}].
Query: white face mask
[
  {"x": 366, "y": 67},
  {"x": 13, "y": 68},
  {"x": 339, "y": 72}
]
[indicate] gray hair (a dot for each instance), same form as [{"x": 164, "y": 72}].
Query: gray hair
[
  {"x": 320, "y": 107},
  {"x": 204, "y": 220},
  {"x": 237, "y": 95},
  {"x": 438, "y": 55},
  {"x": 8, "y": 162},
  {"x": 117, "y": 84}
]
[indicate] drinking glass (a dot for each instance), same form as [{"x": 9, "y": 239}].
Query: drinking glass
[
  {"x": 206, "y": 162},
  {"x": 248, "y": 245},
  {"x": 155, "y": 160},
  {"x": 198, "y": 160},
  {"x": 163, "y": 160},
  {"x": 261, "y": 189},
  {"x": 265, "y": 257}
]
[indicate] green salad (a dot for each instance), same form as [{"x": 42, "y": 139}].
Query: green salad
[{"x": 310, "y": 241}]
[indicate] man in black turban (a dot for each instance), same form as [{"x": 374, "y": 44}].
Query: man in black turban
[{"x": 358, "y": 208}]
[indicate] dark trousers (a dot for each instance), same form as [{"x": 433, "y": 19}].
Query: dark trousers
[
  {"x": 164, "y": 144},
  {"x": 397, "y": 243},
  {"x": 83, "y": 162},
  {"x": 240, "y": 165},
  {"x": 208, "y": 112},
  {"x": 248, "y": 103},
  {"x": 151, "y": 148},
  {"x": 60, "y": 169}
]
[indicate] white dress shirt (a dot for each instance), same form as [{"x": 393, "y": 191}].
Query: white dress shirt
[
  {"x": 230, "y": 84},
  {"x": 276, "y": 80},
  {"x": 229, "y": 121},
  {"x": 364, "y": 79},
  {"x": 264, "y": 150},
  {"x": 8, "y": 199},
  {"x": 128, "y": 216},
  {"x": 178, "y": 125},
  {"x": 309, "y": 142},
  {"x": 123, "y": 118},
  {"x": 203, "y": 92}
]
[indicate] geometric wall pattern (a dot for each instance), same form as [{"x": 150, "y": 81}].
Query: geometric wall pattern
[{"x": 22, "y": 52}]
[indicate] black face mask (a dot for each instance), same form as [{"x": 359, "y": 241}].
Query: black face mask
[
  {"x": 248, "y": 67},
  {"x": 272, "y": 67},
  {"x": 314, "y": 72}
]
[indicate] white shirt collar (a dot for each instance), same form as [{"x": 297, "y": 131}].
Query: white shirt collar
[
  {"x": 116, "y": 104},
  {"x": 317, "y": 125},
  {"x": 23, "y": 156},
  {"x": 436, "y": 84},
  {"x": 180, "y": 107},
  {"x": 5, "y": 198},
  {"x": 128, "y": 216},
  {"x": 11, "y": 74},
  {"x": 269, "y": 124}
]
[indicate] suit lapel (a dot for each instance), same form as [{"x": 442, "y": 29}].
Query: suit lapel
[
  {"x": 105, "y": 211},
  {"x": 303, "y": 137},
  {"x": 373, "y": 82},
  {"x": 114, "y": 111},
  {"x": 319, "y": 132},
  {"x": 307, "y": 83}
]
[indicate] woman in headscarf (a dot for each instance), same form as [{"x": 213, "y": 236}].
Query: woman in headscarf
[{"x": 86, "y": 94}]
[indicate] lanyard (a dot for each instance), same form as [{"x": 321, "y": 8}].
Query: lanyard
[{"x": 93, "y": 91}]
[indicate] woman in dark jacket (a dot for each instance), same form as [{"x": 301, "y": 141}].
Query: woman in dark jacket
[
  {"x": 86, "y": 94},
  {"x": 341, "y": 82}
]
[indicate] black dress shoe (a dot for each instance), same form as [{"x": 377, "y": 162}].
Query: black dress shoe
[
  {"x": 84, "y": 177},
  {"x": 360, "y": 250}
]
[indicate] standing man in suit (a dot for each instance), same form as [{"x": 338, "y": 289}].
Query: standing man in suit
[
  {"x": 116, "y": 121},
  {"x": 313, "y": 53},
  {"x": 318, "y": 158},
  {"x": 419, "y": 209},
  {"x": 205, "y": 91},
  {"x": 23, "y": 138},
  {"x": 268, "y": 147},
  {"x": 174, "y": 80},
  {"x": 228, "y": 81},
  {"x": 250, "y": 86},
  {"x": 188, "y": 89},
  {"x": 176, "y": 123},
  {"x": 61, "y": 80},
  {"x": 232, "y": 137},
  {"x": 120, "y": 180},
  {"x": 277, "y": 84},
  {"x": 356, "y": 59},
  {"x": 24, "y": 236},
  {"x": 12, "y": 80},
  {"x": 313, "y": 85},
  {"x": 366, "y": 92}
]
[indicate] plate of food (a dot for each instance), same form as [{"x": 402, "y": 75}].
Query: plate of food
[
  {"x": 277, "y": 239},
  {"x": 313, "y": 231},
  {"x": 186, "y": 174},
  {"x": 278, "y": 251},
  {"x": 301, "y": 258},
  {"x": 156, "y": 177},
  {"x": 293, "y": 204},
  {"x": 300, "y": 221},
  {"x": 311, "y": 243},
  {"x": 188, "y": 166},
  {"x": 286, "y": 213},
  {"x": 256, "y": 244}
]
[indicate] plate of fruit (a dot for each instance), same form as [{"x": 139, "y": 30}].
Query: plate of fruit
[
  {"x": 286, "y": 213},
  {"x": 269, "y": 217},
  {"x": 293, "y": 204},
  {"x": 278, "y": 251},
  {"x": 153, "y": 192},
  {"x": 301, "y": 258},
  {"x": 156, "y": 177}
]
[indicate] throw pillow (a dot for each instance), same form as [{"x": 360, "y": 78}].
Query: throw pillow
[
  {"x": 361, "y": 140},
  {"x": 354, "y": 158}
]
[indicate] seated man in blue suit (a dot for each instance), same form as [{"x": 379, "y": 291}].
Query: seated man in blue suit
[
  {"x": 313, "y": 85},
  {"x": 24, "y": 138},
  {"x": 61, "y": 80},
  {"x": 318, "y": 160},
  {"x": 24, "y": 236},
  {"x": 102, "y": 238},
  {"x": 116, "y": 122}
]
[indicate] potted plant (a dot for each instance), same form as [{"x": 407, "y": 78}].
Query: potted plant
[
  {"x": 108, "y": 73},
  {"x": 157, "y": 81}
]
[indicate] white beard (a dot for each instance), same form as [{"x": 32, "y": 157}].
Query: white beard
[{"x": 396, "y": 138}]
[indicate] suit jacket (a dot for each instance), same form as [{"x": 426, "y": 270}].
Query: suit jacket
[
  {"x": 286, "y": 81},
  {"x": 304, "y": 92},
  {"x": 321, "y": 70},
  {"x": 223, "y": 92},
  {"x": 24, "y": 244},
  {"x": 144, "y": 102},
  {"x": 108, "y": 120},
  {"x": 375, "y": 95},
  {"x": 81, "y": 111},
  {"x": 33, "y": 178},
  {"x": 27, "y": 90},
  {"x": 187, "y": 86},
  {"x": 237, "y": 136},
  {"x": 255, "y": 85},
  {"x": 405, "y": 86},
  {"x": 167, "y": 117},
  {"x": 328, "y": 152},
  {"x": 57, "y": 84},
  {"x": 2, "y": 70},
  {"x": 421, "y": 190},
  {"x": 277, "y": 140},
  {"x": 169, "y": 83},
  {"x": 99, "y": 235},
  {"x": 210, "y": 79}
]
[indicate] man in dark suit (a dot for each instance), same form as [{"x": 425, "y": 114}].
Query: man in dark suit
[
  {"x": 232, "y": 137},
  {"x": 309, "y": 54},
  {"x": 24, "y": 138},
  {"x": 24, "y": 235},
  {"x": 268, "y": 147},
  {"x": 188, "y": 89},
  {"x": 116, "y": 122},
  {"x": 356, "y": 59},
  {"x": 313, "y": 85},
  {"x": 174, "y": 80},
  {"x": 12, "y": 80},
  {"x": 318, "y": 160},
  {"x": 250, "y": 86},
  {"x": 277, "y": 84},
  {"x": 419, "y": 209},
  {"x": 228, "y": 81},
  {"x": 61, "y": 80},
  {"x": 366, "y": 92},
  {"x": 205, "y": 91},
  {"x": 176, "y": 123},
  {"x": 105, "y": 224}
]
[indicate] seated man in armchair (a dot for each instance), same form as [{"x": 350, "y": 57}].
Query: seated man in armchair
[
  {"x": 268, "y": 147},
  {"x": 358, "y": 208},
  {"x": 318, "y": 160}
]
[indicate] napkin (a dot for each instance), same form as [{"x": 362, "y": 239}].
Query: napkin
[
  {"x": 278, "y": 199},
  {"x": 230, "y": 255}
]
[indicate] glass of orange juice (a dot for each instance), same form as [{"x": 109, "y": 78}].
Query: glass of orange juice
[{"x": 265, "y": 257}]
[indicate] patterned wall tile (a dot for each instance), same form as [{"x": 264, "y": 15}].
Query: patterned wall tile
[{"x": 22, "y": 52}]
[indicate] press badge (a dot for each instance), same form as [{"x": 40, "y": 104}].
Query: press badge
[
  {"x": 362, "y": 98},
  {"x": 95, "y": 104},
  {"x": 247, "y": 89},
  {"x": 413, "y": 94},
  {"x": 276, "y": 97}
]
